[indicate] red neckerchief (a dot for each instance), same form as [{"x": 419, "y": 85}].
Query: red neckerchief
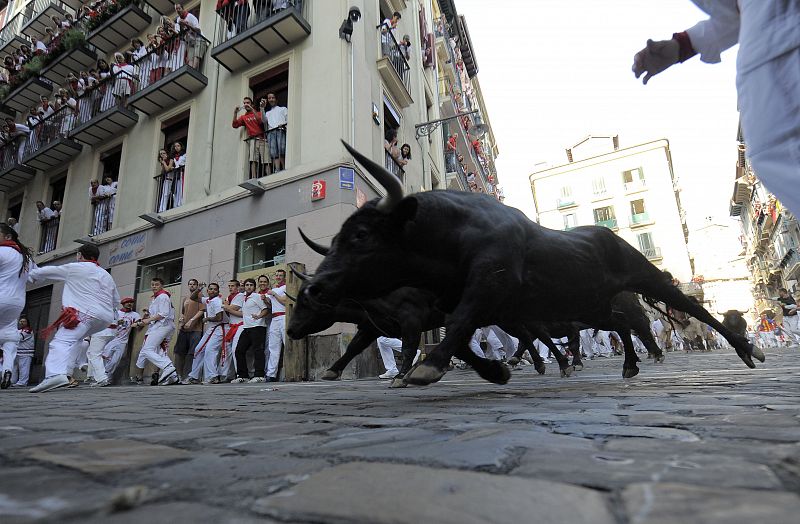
[
  {"x": 90, "y": 260},
  {"x": 123, "y": 64},
  {"x": 231, "y": 297},
  {"x": 27, "y": 330},
  {"x": 12, "y": 245},
  {"x": 94, "y": 190},
  {"x": 161, "y": 292},
  {"x": 247, "y": 295},
  {"x": 177, "y": 156},
  {"x": 184, "y": 15}
]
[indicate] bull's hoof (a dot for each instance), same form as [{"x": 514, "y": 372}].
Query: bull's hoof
[
  {"x": 330, "y": 375},
  {"x": 423, "y": 374},
  {"x": 398, "y": 383},
  {"x": 513, "y": 361},
  {"x": 630, "y": 372},
  {"x": 495, "y": 372},
  {"x": 746, "y": 357},
  {"x": 539, "y": 366},
  {"x": 567, "y": 371},
  {"x": 659, "y": 359},
  {"x": 578, "y": 366},
  {"x": 758, "y": 353}
]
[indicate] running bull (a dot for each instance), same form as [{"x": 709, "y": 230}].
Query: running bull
[{"x": 489, "y": 264}]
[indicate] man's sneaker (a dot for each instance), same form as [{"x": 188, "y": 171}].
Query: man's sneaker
[
  {"x": 270, "y": 379},
  {"x": 389, "y": 374},
  {"x": 154, "y": 379},
  {"x": 51, "y": 383},
  {"x": 170, "y": 377},
  {"x": 239, "y": 380},
  {"x": 6, "y": 380},
  {"x": 72, "y": 383},
  {"x": 137, "y": 381},
  {"x": 189, "y": 381},
  {"x": 101, "y": 384},
  {"x": 257, "y": 379},
  {"x": 214, "y": 380}
]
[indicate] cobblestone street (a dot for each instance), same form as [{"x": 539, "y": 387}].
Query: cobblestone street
[{"x": 698, "y": 439}]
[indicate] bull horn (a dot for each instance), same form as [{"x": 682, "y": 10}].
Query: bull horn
[
  {"x": 394, "y": 189},
  {"x": 299, "y": 274},
  {"x": 293, "y": 299},
  {"x": 318, "y": 248}
]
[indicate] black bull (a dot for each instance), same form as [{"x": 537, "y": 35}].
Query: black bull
[{"x": 488, "y": 264}]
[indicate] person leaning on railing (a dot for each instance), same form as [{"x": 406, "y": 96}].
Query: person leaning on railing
[
  {"x": 252, "y": 121},
  {"x": 188, "y": 26}
]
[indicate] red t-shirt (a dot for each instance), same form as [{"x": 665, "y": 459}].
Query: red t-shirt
[{"x": 251, "y": 122}]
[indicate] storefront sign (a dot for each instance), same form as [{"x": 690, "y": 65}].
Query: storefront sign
[
  {"x": 317, "y": 190},
  {"x": 127, "y": 249}
]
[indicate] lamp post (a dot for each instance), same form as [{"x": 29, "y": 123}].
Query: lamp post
[{"x": 426, "y": 128}]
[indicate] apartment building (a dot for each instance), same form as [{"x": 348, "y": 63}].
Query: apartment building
[
  {"x": 223, "y": 209},
  {"x": 770, "y": 235},
  {"x": 632, "y": 191}
]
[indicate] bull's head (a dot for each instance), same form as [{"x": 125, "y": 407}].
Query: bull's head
[
  {"x": 365, "y": 259},
  {"x": 307, "y": 316}
]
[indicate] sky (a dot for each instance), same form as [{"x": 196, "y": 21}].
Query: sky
[{"x": 554, "y": 71}]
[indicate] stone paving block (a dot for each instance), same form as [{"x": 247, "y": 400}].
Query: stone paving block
[
  {"x": 103, "y": 456},
  {"x": 173, "y": 512},
  {"x": 608, "y": 430},
  {"x": 390, "y": 493},
  {"x": 651, "y": 503}
]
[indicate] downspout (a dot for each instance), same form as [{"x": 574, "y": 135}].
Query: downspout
[{"x": 212, "y": 121}]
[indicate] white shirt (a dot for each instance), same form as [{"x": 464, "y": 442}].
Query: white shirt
[
  {"x": 214, "y": 306},
  {"x": 253, "y": 305},
  {"x": 12, "y": 284},
  {"x": 277, "y": 307},
  {"x": 275, "y": 117},
  {"x": 124, "y": 72},
  {"x": 101, "y": 191},
  {"x": 39, "y": 46},
  {"x": 124, "y": 325},
  {"x": 161, "y": 305},
  {"x": 87, "y": 288},
  {"x": 26, "y": 342},
  {"x": 44, "y": 112},
  {"x": 139, "y": 53},
  {"x": 46, "y": 213},
  {"x": 191, "y": 20}
]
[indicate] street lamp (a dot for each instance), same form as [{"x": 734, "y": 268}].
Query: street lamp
[{"x": 426, "y": 128}]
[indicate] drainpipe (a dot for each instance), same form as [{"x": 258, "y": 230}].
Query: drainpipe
[{"x": 212, "y": 121}]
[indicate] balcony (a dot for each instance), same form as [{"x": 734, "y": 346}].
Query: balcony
[
  {"x": 102, "y": 214},
  {"x": 103, "y": 113},
  {"x": 392, "y": 166},
  {"x": 641, "y": 219},
  {"x": 72, "y": 60},
  {"x": 652, "y": 253},
  {"x": 48, "y": 146},
  {"x": 611, "y": 223},
  {"x": 269, "y": 31},
  {"x": 10, "y": 37},
  {"x": 792, "y": 266},
  {"x": 394, "y": 69},
  {"x": 117, "y": 32},
  {"x": 169, "y": 190},
  {"x": 163, "y": 85},
  {"x": 28, "y": 94},
  {"x": 690, "y": 288},
  {"x": 635, "y": 185},
  {"x": 38, "y": 14},
  {"x": 49, "y": 235},
  {"x": 13, "y": 173},
  {"x": 164, "y": 7},
  {"x": 564, "y": 203}
]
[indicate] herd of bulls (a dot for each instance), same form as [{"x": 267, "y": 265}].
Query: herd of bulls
[{"x": 401, "y": 265}]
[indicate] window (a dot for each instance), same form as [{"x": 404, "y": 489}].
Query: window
[
  {"x": 645, "y": 242},
  {"x": 57, "y": 189},
  {"x": 110, "y": 161},
  {"x": 633, "y": 175},
  {"x": 274, "y": 81},
  {"x": 637, "y": 207},
  {"x": 570, "y": 221},
  {"x": 14, "y": 208},
  {"x": 260, "y": 248},
  {"x": 566, "y": 193},
  {"x": 176, "y": 129},
  {"x": 604, "y": 214},
  {"x": 599, "y": 185},
  {"x": 168, "y": 267},
  {"x": 392, "y": 143}
]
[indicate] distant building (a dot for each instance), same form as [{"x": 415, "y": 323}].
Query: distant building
[{"x": 632, "y": 191}]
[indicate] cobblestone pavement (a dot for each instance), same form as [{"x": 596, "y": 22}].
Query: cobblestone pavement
[{"x": 698, "y": 439}]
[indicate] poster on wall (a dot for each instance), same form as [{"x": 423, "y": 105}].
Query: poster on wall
[{"x": 127, "y": 249}]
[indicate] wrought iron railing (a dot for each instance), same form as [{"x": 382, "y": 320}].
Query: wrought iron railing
[
  {"x": 391, "y": 50},
  {"x": 49, "y": 234},
  {"x": 640, "y": 218},
  {"x": 56, "y": 126},
  {"x": 392, "y": 165},
  {"x": 652, "y": 252},
  {"x": 12, "y": 28},
  {"x": 102, "y": 214},
  {"x": 257, "y": 160},
  {"x": 186, "y": 49},
  {"x": 610, "y": 223},
  {"x": 169, "y": 189},
  {"x": 12, "y": 152},
  {"x": 238, "y": 18},
  {"x": 637, "y": 183}
]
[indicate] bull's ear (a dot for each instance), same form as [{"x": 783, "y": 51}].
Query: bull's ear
[{"x": 406, "y": 210}]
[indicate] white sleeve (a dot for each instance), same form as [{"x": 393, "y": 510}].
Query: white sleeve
[
  {"x": 49, "y": 273},
  {"x": 720, "y": 32}
]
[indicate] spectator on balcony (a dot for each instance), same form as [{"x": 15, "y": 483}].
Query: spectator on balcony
[
  {"x": 138, "y": 49},
  {"x": 68, "y": 22},
  {"x": 156, "y": 66},
  {"x": 188, "y": 26},
  {"x": 405, "y": 155},
  {"x": 275, "y": 121},
  {"x": 167, "y": 166},
  {"x": 106, "y": 94},
  {"x": 56, "y": 206},
  {"x": 32, "y": 120},
  {"x": 69, "y": 110},
  {"x": 124, "y": 77},
  {"x": 100, "y": 199},
  {"x": 179, "y": 158},
  {"x": 17, "y": 133},
  {"x": 73, "y": 85},
  {"x": 390, "y": 143},
  {"x": 450, "y": 153},
  {"x": 13, "y": 224},
  {"x": 44, "y": 213},
  {"x": 405, "y": 47},
  {"x": 253, "y": 124},
  {"x": 387, "y": 28},
  {"x": 110, "y": 187},
  {"x": 39, "y": 47}
]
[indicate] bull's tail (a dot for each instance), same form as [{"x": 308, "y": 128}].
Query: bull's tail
[{"x": 653, "y": 303}]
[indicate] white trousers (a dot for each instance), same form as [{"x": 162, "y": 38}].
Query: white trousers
[
  {"x": 276, "y": 343},
  {"x": 588, "y": 344},
  {"x": 9, "y": 335},
  {"x": 227, "y": 366},
  {"x": 387, "y": 346},
  {"x": 151, "y": 349},
  {"x": 112, "y": 354},
  {"x": 206, "y": 354},
  {"x": 508, "y": 342},
  {"x": 790, "y": 322},
  {"x": 604, "y": 346},
  {"x": 769, "y": 102},
  {"x": 768, "y": 339},
  {"x": 544, "y": 352},
  {"x": 493, "y": 344},
  {"x": 22, "y": 370},
  {"x": 64, "y": 350},
  {"x": 94, "y": 354}
]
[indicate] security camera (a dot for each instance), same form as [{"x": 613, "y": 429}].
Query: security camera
[{"x": 354, "y": 14}]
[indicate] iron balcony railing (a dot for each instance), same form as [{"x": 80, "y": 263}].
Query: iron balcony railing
[
  {"x": 49, "y": 234},
  {"x": 392, "y": 165},
  {"x": 238, "y": 18},
  {"x": 640, "y": 218},
  {"x": 48, "y": 130},
  {"x": 610, "y": 223},
  {"x": 169, "y": 189},
  {"x": 652, "y": 252},
  {"x": 12, "y": 29},
  {"x": 638, "y": 183},
  {"x": 102, "y": 214},
  {"x": 391, "y": 50},
  {"x": 257, "y": 160},
  {"x": 12, "y": 152},
  {"x": 185, "y": 49}
]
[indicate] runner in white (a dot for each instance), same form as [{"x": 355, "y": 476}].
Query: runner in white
[
  {"x": 161, "y": 324},
  {"x": 207, "y": 351},
  {"x": 277, "y": 332},
  {"x": 22, "y": 370},
  {"x": 115, "y": 349},
  {"x": 233, "y": 308},
  {"x": 16, "y": 261},
  {"x": 88, "y": 306}
]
